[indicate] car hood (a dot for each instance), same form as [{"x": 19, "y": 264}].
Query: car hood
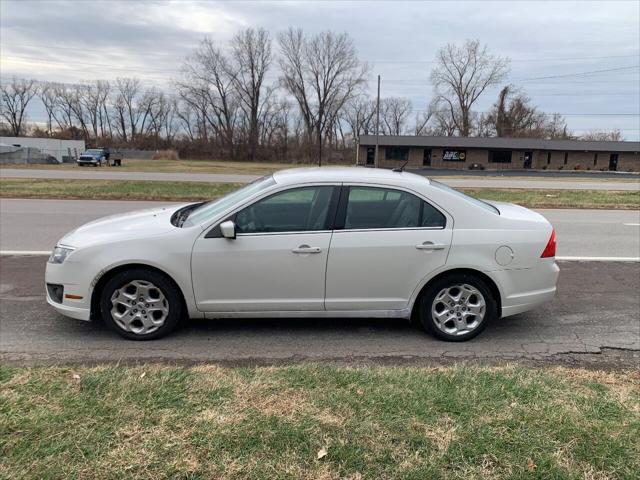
[{"x": 137, "y": 224}]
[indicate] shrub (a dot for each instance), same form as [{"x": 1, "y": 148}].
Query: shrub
[
  {"x": 165, "y": 155},
  {"x": 577, "y": 167}
]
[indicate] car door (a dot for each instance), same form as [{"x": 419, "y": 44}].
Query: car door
[
  {"x": 386, "y": 240},
  {"x": 277, "y": 262}
]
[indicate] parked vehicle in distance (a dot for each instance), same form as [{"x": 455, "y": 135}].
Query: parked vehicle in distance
[
  {"x": 322, "y": 242},
  {"x": 94, "y": 156}
]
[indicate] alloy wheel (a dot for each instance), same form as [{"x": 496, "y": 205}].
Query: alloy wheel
[
  {"x": 458, "y": 309},
  {"x": 139, "y": 307}
]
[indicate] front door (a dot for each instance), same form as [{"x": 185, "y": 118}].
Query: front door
[
  {"x": 277, "y": 260},
  {"x": 371, "y": 156},
  {"x": 386, "y": 241},
  {"x": 613, "y": 162},
  {"x": 426, "y": 157},
  {"x": 528, "y": 158}
]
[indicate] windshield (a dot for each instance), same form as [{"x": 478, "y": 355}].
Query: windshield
[
  {"x": 216, "y": 207},
  {"x": 475, "y": 201},
  {"x": 93, "y": 150}
]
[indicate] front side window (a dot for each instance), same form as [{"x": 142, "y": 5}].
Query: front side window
[
  {"x": 371, "y": 207},
  {"x": 209, "y": 210},
  {"x": 296, "y": 210}
]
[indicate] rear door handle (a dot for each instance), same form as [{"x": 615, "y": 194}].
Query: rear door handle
[
  {"x": 430, "y": 246},
  {"x": 306, "y": 249}
]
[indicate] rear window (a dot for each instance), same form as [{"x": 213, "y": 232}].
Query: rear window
[{"x": 473, "y": 200}]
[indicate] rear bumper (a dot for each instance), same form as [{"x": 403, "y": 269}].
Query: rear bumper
[{"x": 527, "y": 288}]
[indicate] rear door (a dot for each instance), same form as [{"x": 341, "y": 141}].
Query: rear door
[{"x": 386, "y": 240}]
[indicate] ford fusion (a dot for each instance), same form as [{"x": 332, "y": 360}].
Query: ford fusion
[{"x": 324, "y": 242}]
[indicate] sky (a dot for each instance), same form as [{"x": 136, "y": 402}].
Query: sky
[{"x": 580, "y": 59}]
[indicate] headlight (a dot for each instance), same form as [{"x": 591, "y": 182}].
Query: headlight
[{"x": 59, "y": 254}]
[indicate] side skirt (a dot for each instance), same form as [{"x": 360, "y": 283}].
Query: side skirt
[{"x": 404, "y": 313}]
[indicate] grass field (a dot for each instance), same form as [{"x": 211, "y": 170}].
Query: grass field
[
  {"x": 320, "y": 422},
  {"x": 174, "y": 166},
  {"x": 187, "y": 191}
]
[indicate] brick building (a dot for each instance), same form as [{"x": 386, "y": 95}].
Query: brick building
[{"x": 498, "y": 153}]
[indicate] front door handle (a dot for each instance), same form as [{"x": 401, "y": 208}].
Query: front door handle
[
  {"x": 306, "y": 249},
  {"x": 430, "y": 246}
]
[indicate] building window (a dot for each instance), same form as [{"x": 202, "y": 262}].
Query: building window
[
  {"x": 566, "y": 157},
  {"x": 595, "y": 159},
  {"x": 454, "y": 155},
  {"x": 499, "y": 156},
  {"x": 396, "y": 153},
  {"x": 548, "y": 158}
]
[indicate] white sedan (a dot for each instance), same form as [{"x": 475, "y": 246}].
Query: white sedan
[{"x": 322, "y": 242}]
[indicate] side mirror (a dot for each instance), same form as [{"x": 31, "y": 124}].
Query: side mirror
[{"x": 228, "y": 229}]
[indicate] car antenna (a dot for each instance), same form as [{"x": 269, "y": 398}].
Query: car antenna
[{"x": 400, "y": 169}]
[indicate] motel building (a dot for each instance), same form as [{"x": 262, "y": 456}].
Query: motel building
[{"x": 465, "y": 153}]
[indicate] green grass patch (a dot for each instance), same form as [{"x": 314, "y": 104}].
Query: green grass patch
[
  {"x": 173, "y": 166},
  {"x": 264, "y": 423},
  {"x": 112, "y": 189},
  {"x": 560, "y": 198},
  {"x": 187, "y": 191}
]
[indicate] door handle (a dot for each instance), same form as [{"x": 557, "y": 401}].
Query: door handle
[
  {"x": 430, "y": 246},
  {"x": 306, "y": 249}
]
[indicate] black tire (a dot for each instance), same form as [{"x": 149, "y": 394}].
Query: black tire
[
  {"x": 428, "y": 296},
  {"x": 160, "y": 282}
]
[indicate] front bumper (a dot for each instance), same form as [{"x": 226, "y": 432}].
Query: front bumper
[
  {"x": 70, "y": 276},
  {"x": 79, "y": 313}
]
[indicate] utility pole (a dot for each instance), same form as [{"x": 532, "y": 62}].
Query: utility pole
[{"x": 375, "y": 158}]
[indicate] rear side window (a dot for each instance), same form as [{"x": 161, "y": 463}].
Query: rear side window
[
  {"x": 295, "y": 210},
  {"x": 372, "y": 207}
]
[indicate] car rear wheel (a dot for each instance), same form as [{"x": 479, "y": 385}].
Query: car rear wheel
[
  {"x": 457, "y": 307},
  {"x": 141, "y": 304}
]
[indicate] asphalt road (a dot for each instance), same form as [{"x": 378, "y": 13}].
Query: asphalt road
[
  {"x": 467, "y": 181},
  {"x": 594, "y": 320},
  {"x": 37, "y": 224}
]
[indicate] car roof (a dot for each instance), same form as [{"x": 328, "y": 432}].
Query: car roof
[{"x": 348, "y": 174}]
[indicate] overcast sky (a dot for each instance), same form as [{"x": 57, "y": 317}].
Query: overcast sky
[{"x": 78, "y": 40}]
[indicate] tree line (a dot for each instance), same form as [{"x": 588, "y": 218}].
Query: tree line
[{"x": 293, "y": 97}]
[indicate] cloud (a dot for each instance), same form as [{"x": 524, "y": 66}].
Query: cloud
[{"x": 81, "y": 40}]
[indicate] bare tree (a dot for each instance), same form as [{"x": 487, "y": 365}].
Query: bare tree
[
  {"x": 614, "y": 135},
  {"x": 251, "y": 54},
  {"x": 359, "y": 114},
  {"x": 14, "y": 99},
  {"x": 207, "y": 86},
  {"x": 395, "y": 113},
  {"x": 47, "y": 94},
  {"x": 322, "y": 73},
  {"x": 126, "y": 106},
  {"x": 421, "y": 125},
  {"x": 513, "y": 115},
  {"x": 461, "y": 75}
]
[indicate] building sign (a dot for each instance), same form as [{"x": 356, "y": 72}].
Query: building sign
[{"x": 454, "y": 155}]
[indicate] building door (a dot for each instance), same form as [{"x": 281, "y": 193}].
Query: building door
[
  {"x": 426, "y": 158},
  {"x": 613, "y": 162},
  {"x": 528, "y": 158},
  {"x": 371, "y": 156}
]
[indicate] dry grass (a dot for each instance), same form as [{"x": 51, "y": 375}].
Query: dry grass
[
  {"x": 210, "y": 422},
  {"x": 165, "y": 155}
]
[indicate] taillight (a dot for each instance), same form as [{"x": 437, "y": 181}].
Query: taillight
[{"x": 550, "y": 249}]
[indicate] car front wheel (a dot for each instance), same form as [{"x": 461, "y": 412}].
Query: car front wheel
[
  {"x": 457, "y": 307},
  {"x": 141, "y": 304}
]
